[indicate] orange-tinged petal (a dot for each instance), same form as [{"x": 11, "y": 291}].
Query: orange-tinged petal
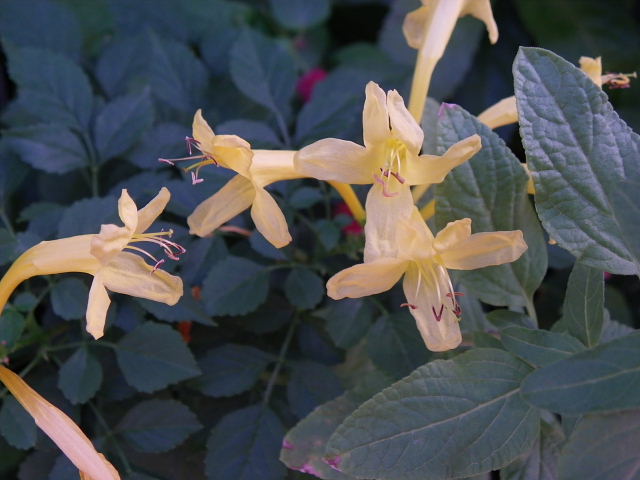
[
  {"x": 593, "y": 68},
  {"x": 415, "y": 25},
  {"x": 403, "y": 125},
  {"x": 269, "y": 219},
  {"x": 375, "y": 117},
  {"x": 97, "y": 307},
  {"x": 429, "y": 169},
  {"x": 234, "y": 198},
  {"x": 109, "y": 242},
  {"x": 366, "y": 278},
  {"x": 452, "y": 234},
  {"x": 128, "y": 273},
  {"x": 60, "y": 428},
  {"x": 202, "y": 132},
  {"x": 152, "y": 210},
  {"x": 505, "y": 112},
  {"x": 481, "y": 9},
  {"x": 426, "y": 287},
  {"x": 71, "y": 254},
  {"x": 232, "y": 152},
  {"x": 485, "y": 249},
  {"x": 114, "y": 472},
  {"x": 128, "y": 211},
  {"x": 334, "y": 159}
]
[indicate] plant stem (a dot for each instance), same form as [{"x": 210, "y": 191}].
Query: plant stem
[
  {"x": 351, "y": 199},
  {"x": 283, "y": 129},
  {"x": 7, "y": 223},
  {"x": 531, "y": 311},
  {"x": 112, "y": 437},
  {"x": 281, "y": 358}
]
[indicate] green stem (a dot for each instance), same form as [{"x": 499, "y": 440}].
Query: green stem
[
  {"x": 531, "y": 311},
  {"x": 281, "y": 358},
  {"x": 283, "y": 129},
  {"x": 7, "y": 222},
  {"x": 112, "y": 437}
]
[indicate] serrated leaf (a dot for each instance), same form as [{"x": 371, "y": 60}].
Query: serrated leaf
[
  {"x": 120, "y": 62},
  {"x": 157, "y": 425},
  {"x": 188, "y": 309},
  {"x": 567, "y": 129},
  {"x": 597, "y": 380},
  {"x": 603, "y": 447},
  {"x": 303, "y": 446},
  {"x": 121, "y": 123},
  {"x": 51, "y": 86},
  {"x": 154, "y": 356},
  {"x": 80, "y": 376},
  {"x": 304, "y": 288},
  {"x": 234, "y": 286},
  {"x": 305, "y": 197},
  {"x": 264, "y": 247},
  {"x": 12, "y": 324},
  {"x": 244, "y": 445},
  {"x": 69, "y": 298},
  {"x": 299, "y": 14},
  {"x": 164, "y": 140},
  {"x": 395, "y": 346},
  {"x": 311, "y": 384},
  {"x": 449, "y": 418},
  {"x": 16, "y": 425},
  {"x": 539, "y": 347},
  {"x": 86, "y": 216},
  {"x": 583, "y": 308},
  {"x": 230, "y": 370},
  {"x": 347, "y": 320},
  {"x": 491, "y": 190},
  {"x": 51, "y": 148},
  {"x": 253, "y": 56},
  {"x": 258, "y": 134}
]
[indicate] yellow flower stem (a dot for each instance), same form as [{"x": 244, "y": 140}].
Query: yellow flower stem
[
  {"x": 429, "y": 210},
  {"x": 420, "y": 84},
  {"x": 418, "y": 192},
  {"x": 350, "y": 198}
]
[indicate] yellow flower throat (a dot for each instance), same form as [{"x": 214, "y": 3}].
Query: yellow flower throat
[{"x": 394, "y": 154}]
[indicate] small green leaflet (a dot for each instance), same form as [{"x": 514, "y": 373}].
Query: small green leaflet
[{"x": 583, "y": 308}]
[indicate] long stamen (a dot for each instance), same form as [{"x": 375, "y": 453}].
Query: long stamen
[
  {"x": 171, "y": 249},
  {"x": 385, "y": 186},
  {"x": 410, "y": 305}
]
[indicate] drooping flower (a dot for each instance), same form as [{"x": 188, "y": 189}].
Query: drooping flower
[
  {"x": 103, "y": 255},
  {"x": 256, "y": 169},
  {"x": 391, "y": 152},
  {"x": 404, "y": 245},
  {"x": 61, "y": 429}
]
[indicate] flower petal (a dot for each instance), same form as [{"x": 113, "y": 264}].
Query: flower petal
[
  {"x": 60, "y": 428},
  {"x": 234, "y": 198},
  {"x": 375, "y": 117},
  {"x": 268, "y": 166},
  {"x": 232, "y": 152},
  {"x": 403, "y": 125},
  {"x": 97, "y": 307},
  {"x": 127, "y": 210},
  {"x": 452, "y": 234},
  {"x": 202, "y": 132},
  {"x": 415, "y": 25},
  {"x": 485, "y": 249},
  {"x": 333, "y": 159},
  {"x": 433, "y": 169},
  {"x": 128, "y": 273},
  {"x": 366, "y": 278},
  {"x": 593, "y": 68},
  {"x": 109, "y": 242},
  {"x": 71, "y": 254},
  {"x": 481, "y": 9},
  {"x": 152, "y": 210},
  {"x": 269, "y": 219},
  {"x": 426, "y": 287},
  {"x": 505, "y": 112}
]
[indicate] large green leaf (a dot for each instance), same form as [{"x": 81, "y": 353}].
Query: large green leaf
[
  {"x": 299, "y": 14},
  {"x": 156, "y": 426},
  {"x": 347, "y": 320},
  {"x": 153, "y": 356},
  {"x": 603, "y": 447},
  {"x": 16, "y": 425},
  {"x": 448, "y": 419},
  {"x": 584, "y": 160},
  {"x": 244, "y": 445},
  {"x": 80, "y": 376},
  {"x": 539, "y": 347},
  {"x": 597, "y": 380},
  {"x": 491, "y": 190},
  {"x": 583, "y": 308},
  {"x": 303, "y": 288},
  {"x": 69, "y": 298}
]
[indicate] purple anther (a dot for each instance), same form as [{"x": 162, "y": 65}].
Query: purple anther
[
  {"x": 166, "y": 160},
  {"x": 437, "y": 316},
  {"x": 195, "y": 180},
  {"x": 157, "y": 265}
]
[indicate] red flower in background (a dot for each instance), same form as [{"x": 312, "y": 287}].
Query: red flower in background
[
  {"x": 354, "y": 228},
  {"x": 308, "y": 81}
]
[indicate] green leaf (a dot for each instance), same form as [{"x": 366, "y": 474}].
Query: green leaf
[
  {"x": 448, "y": 419},
  {"x": 230, "y": 370},
  {"x": 157, "y": 425},
  {"x": 86, "y": 216},
  {"x": 311, "y": 384},
  {"x": 347, "y": 320},
  {"x": 51, "y": 148},
  {"x": 12, "y": 324},
  {"x": 69, "y": 298},
  {"x": 502, "y": 318},
  {"x": 121, "y": 62},
  {"x": 121, "y": 123},
  {"x": 395, "y": 346},
  {"x": 603, "y": 447},
  {"x": 491, "y": 190},
  {"x": 597, "y": 380},
  {"x": 154, "y": 356},
  {"x": 16, "y": 425},
  {"x": 164, "y": 140},
  {"x": 567, "y": 129},
  {"x": 542, "y": 461},
  {"x": 244, "y": 445},
  {"x": 300, "y": 14},
  {"x": 539, "y": 347},
  {"x": 583, "y": 308},
  {"x": 51, "y": 86},
  {"x": 303, "y": 446},
  {"x": 254, "y": 56},
  {"x": 235, "y": 286},
  {"x": 304, "y": 288},
  {"x": 305, "y": 197},
  {"x": 258, "y": 134},
  {"x": 188, "y": 309},
  {"x": 80, "y": 376}
]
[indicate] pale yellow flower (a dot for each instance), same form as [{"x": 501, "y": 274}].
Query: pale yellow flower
[
  {"x": 391, "y": 152},
  {"x": 256, "y": 169},
  {"x": 103, "y": 255},
  {"x": 505, "y": 112},
  {"x": 61, "y": 429},
  {"x": 429, "y": 29},
  {"x": 403, "y": 245}
]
